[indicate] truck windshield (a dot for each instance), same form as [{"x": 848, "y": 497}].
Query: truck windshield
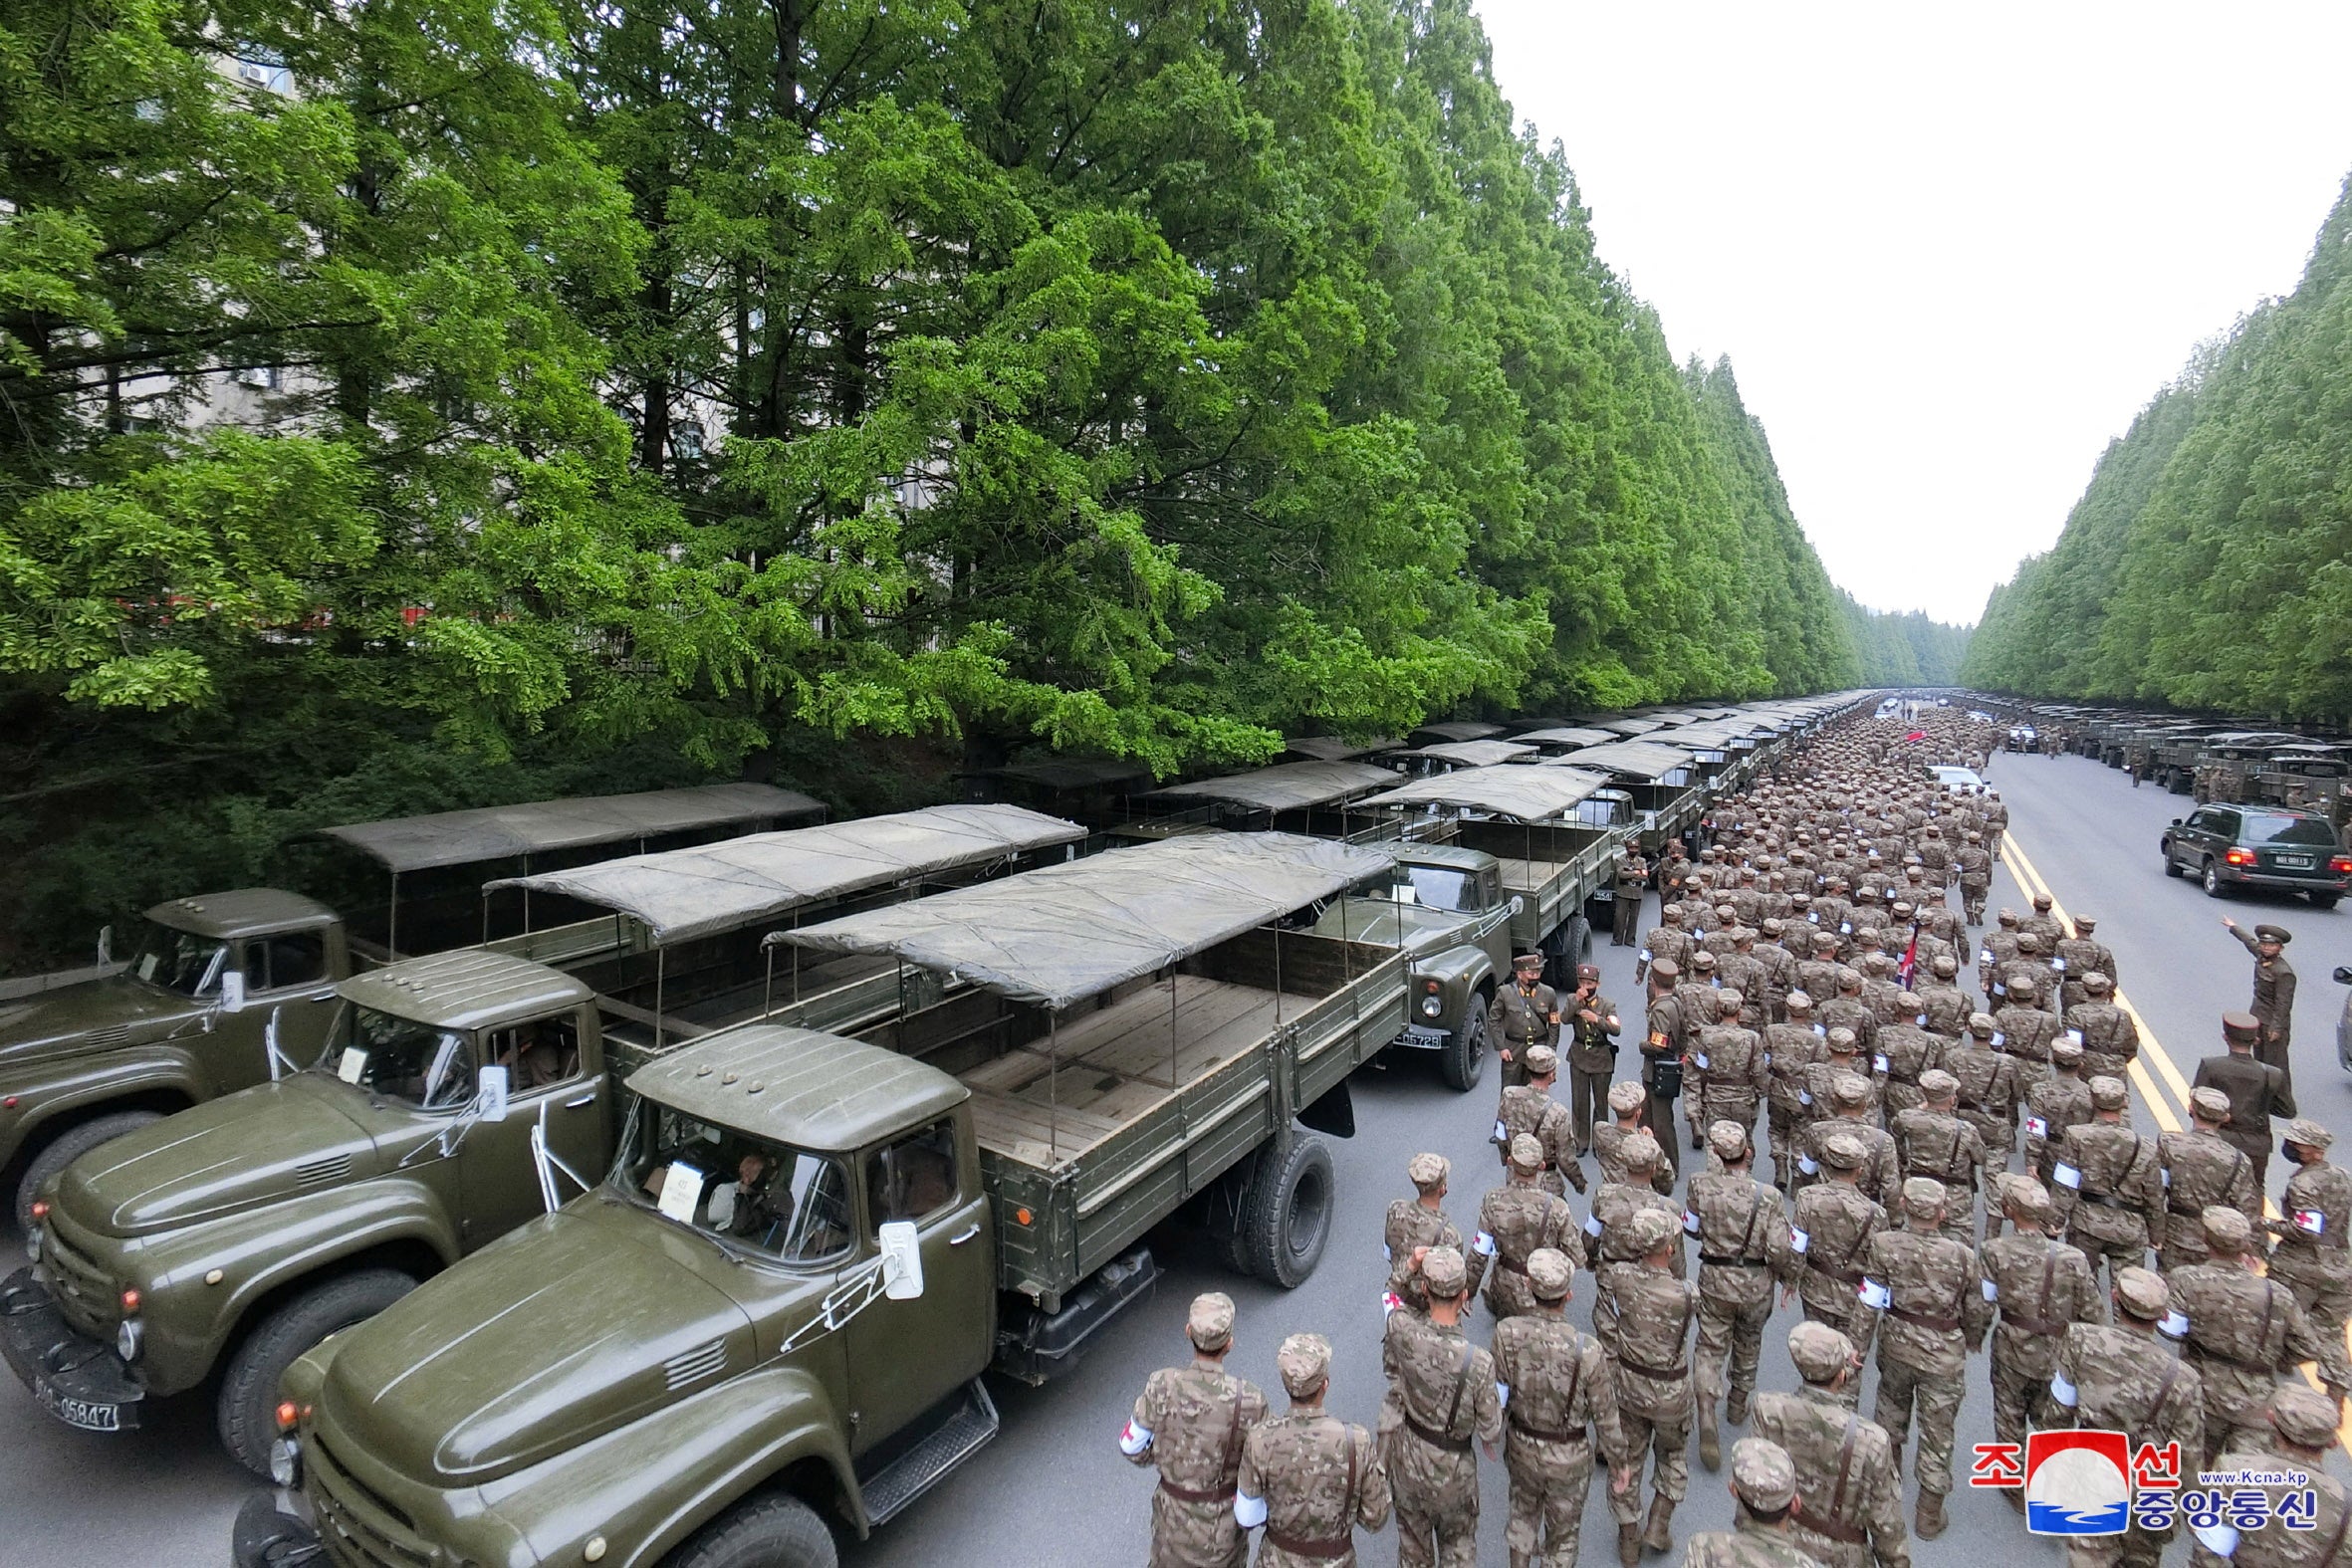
[
  {"x": 785, "y": 1201},
  {"x": 2265, "y": 827},
  {"x": 401, "y": 1059},
  {"x": 1439, "y": 887},
  {"x": 178, "y": 960}
]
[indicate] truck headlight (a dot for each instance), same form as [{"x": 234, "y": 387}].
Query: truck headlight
[
  {"x": 131, "y": 1337},
  {"x": 1431, "y": 1006},
  {"x": 286, "y": 1463}
]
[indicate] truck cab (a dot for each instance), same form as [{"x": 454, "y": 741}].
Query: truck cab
[
  {"x": 178, "y": 1020},
  {"x": 235, "y": 1235},
  {"x": 1446, "y": 908}
]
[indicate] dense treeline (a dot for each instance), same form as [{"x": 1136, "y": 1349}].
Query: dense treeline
[
  {"x": 2209, "y": 563},
  {"x": 437, "y": 400},
  {"x": 1904, "y": 648}
]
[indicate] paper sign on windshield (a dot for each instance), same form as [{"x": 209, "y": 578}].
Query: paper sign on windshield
[
  {"x": 681, "y": 1192},
  {"x": 353, "y": 1063}
]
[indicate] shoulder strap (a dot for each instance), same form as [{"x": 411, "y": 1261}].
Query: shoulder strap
[
  {"x": 1845, "y": 1466},
  {"x": 2049, "y": 1279},
  {"x": 2343, "y": 1521},
  {"x": 2172, "y": 1375},
  {"x": 1461, "y": 1385},
  {"x": 1755, "y": 1211},
  {"x": 1229, "y": 1464},
  {"x": 2262, "y": 1334}
]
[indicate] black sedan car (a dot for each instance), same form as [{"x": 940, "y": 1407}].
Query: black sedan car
[{"x": 2228, "y": 848}]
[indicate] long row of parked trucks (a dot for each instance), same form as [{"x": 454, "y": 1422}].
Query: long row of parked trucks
[
  {"x": 782, "y": 1139},
  {"x": 2226, "y": 759}
]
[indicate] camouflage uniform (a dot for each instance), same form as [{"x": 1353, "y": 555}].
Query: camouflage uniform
[
  {"x": 1530, "y": 1108},
  {"x": 2042, "y": 923},
  {"x": 2123, "y": 1379},
  {"x": 1935, "y": 1143},
  {"x": 1882, "y": 1166},
  {"x": 1778, "y": 966},
  {"x": 1317, "y": 1478},
  {"x": 1988, "y": 1088},
  {"x": 2310, "y": 1258},
  {"x": 1790, "y": 1050},
  {"x": 2243, "y": 1331},
  {"x": 2079, "y": 956},
  {"x": 1728, "y": 1068},
  {"x": 1849, "y": 1491},
  {"x": 1935, "y": 1311},
  {"x": 1668, "y": 942},
  {"x": 2305, "y": 1430},
  {"x": 1975, "y": 880},
  {"x": 1512, "y": 1223},
  {"x": 1946, "y": 1006},
  {"x": 1608, "y": 1145},
  {"x": 1905, "y": 1053},
  {"x": 2109, "y": 1185},
  {"x": 1562, "y": 1389},
  {"x": 1764, "y": 1481},
  {"x": 1830, "y": 1230},
  {"x": 1412, "y": 1223},
  {"x": 2041, "y": 1286},
  {"x": 2025, "y": 1030},
  {"x": 2109, "y": 1038},
  {"x": 1653, "y": 1312},
  {"x": 1740, "y": 1223},
  {"x": 1190, "y": 1424},
  {"x": 1442, "y": 1391},
  {"x": 2057, "y": 1102},
  {"x": 2202, "y": 1168}
]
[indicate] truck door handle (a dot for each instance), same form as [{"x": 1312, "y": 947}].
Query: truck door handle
[
  {"x": 959, "y": 1240},
  {"x": 586, "y": 1099}
]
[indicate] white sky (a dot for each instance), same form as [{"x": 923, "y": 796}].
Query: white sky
[{"x": 1951, "y": 251}]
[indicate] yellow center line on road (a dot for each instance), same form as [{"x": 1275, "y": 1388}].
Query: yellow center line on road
[{"x": 2151, "y": 1049}]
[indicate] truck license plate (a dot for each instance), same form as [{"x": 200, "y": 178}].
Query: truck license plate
[
  {"x": 89, "y": 1415},
  {"x": 1424, "y": 1038},
  {"x": 2295, "y": 862}
]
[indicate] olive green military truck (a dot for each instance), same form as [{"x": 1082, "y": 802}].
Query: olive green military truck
[
  {"x": 775, "y": 1312},
  {"x": 228, "y": 1239}
]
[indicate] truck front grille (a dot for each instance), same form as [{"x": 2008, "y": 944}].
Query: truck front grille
[
  {"x": 83, "y": 1292},
  {"x": 359, "y": 1529}
]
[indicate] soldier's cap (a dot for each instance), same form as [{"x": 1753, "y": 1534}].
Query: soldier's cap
[
  {"x": 2086, "y": 921},
  {"x": 1945, "y": 963},
  {"x": 1549, "y": 1273},
  {"x": 2243, "y": 1028},
  {"x": 1974, "y": 836},
  {"x": 1665, "y": 969},
  {"x": 2208, "y": 1104},
  {"x": 1938, "y": 1084},
  {"x": 2225, "y": 1230},
  {"x": 1726, "y": 911},
  {"x": 1727, "y": 1000},
  {"x": 2142, "y": 1294},
  {"x": 1305, "y": 1361},
  {"x": 1627, "y": 1096},
  {"x": 1672, "y": 911},
  {"x": 2109, "y": 1093},
  {"x": 2007, "y": 917},
  {"x": 1527, "y": 960},
  {"x": 1801, "y": 900},
  {"x": 1541, "y": 1061},
  {"x": 2095, "y": 980},
  {"x": 2304, "y": 1416},
  {"x": 1825, "y": 939},
  {"x": 1772, "y": 925},
  {"x": 1923, "y": 1197},
  {"x": 1428, "y": 1172},
  {"x": 1640, "y": 1151},
  {"x": 1210, "y": 1322},
  {"x": 1762, "y": 1476},
  {"x": 1728, "y": 1140},
  {"x": 1841, "y": 1039},
  {"x": 1982, "y": 1024},
  {"x": 1848, "y": 978},
  {"x": 1820, "y": 1351},
  {"x": 2302, "y": 1130},
  {"x": 2026, "y": 1197},
  {"x": 1650, "y": 1229},
  {"x": 2277, "y": 934},
  {"x": 2065, "y": 1052},
  {"x": 1444, "y": 1271},
  {"x": 2042, "y": 901},
  {"x": 1588, "y": 972},
  {"x": 2028, "y": 942},
  {"x": 1703, "y": 959},
  {"x": 1907, "y": 1002},
  {"x": 1843, "y": 1152},
  {"x": 1902, "y": 906},
  {"x": 1526, "y": 1153}
]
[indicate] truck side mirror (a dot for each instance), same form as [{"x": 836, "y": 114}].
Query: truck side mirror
[
  {"x": 232, "y": 991},
  {"x": 902, "y": 1260},
  {"x": 490, "y": 1092}
]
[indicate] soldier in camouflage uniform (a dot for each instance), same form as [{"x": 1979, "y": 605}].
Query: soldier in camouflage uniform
[
  {"x": 2303, "y": 1432},
  {"x": 1311, "y": 1479},
  {"x": 1523, "y": 1014},
  {"x": 1190, "y": 1424},
  {"x": 1999, "y": 949},
  {"x": 2202, "y": 1168},
  {"x": 1779, "y": 966},
  {"x": 1442, "y": 1399},
  {"x": 1417, "y": 1223},
  {"x": 1740, "y": 1223},
  {"x": 1667, "y": 942},
  {"x": 2077, "y": 958},
  {"x": 1627, "y": 1101},
  {"x": 1653, "y": 1311},
  {"x": 2024, "y": 1027},
  {"x": 2041, "y": 1286},
  {"x": 2110, "y": 1182},
  {"x": 2057, "y": 1102},
  {"x": 2310, "y": 1258},
  {"x": 1927, "y": 1291},
  {"x": 1791, "y": 1049},
  {"x": 1946, "y": 1005},
  {"x": 1696, "y": 999},
  {"x": 1726, "y": 1080},
  {"x": 1849, "y": 1492},
  {"x": 1829, "y": 1230},
  {"x": 1762, "y": 1535},
  {"x": 1742, "y": 971},
  {"x": 1976, "y": 876},
  {"x": 1817, "y": 975},
  {"x": 1528, "y": 1110},
  {"x": 1848, "y": 1010},
  {"x": 2122, "y": 1378},
  {"x": 1611, "y": 1230},
  {"x": 1988, "y": 1088},
  {"x": 1907, "y": 1052},
  {"x": 2042, "y": 923},
  {"x": 2242, "y": 1332},
  {"x": 2110, "y": 1039},
  {"x": 1853, "y": 1110},
  {"x": 1515, "y": 1219},
  {"x": 1932, "y": 1141},
  {"x": 1559, "y": 1391}
]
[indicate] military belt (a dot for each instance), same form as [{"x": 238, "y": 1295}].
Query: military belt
[
  {"x": 1322, "y": 1551},
  {"x": 1510, "y": 1267},
  {"x": 1833, "y": 1529},
  {"x": 1924, "y": 1320},
  {"x": 1844, "y": 1276},
  {"x": 1733, "y": 1261},
  {"x": 2104, "y": 1199},
  {"x": 1678, "y": 1369},
  {"x": 2032, "y": 1325},
  {"x": 1436, "y": 1438},
  {"x": 1191, "y": 1494},
  {"x": 1568, "y": 1434}
]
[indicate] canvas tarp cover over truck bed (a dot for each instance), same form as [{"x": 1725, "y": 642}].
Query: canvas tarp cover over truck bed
[
  {"x": 1062, "y": 932},
  {"x": 1533, "y": 794},
  {"x": 1474, "y": 754},
  {"x": 1639, "y": 759},
  {"x": 1286, "y": 787},
  {"x": 502, "y": 832},
  {"x": 681, "y": 894}
]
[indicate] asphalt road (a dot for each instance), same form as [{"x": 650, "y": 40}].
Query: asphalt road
[{"x": 1052, "y": 1489}]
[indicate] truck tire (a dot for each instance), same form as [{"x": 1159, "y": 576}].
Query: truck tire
[
  {"x": 1464, "y": 1057},
  {"x": 770, "y": 1530},
  {"x": 246, "y": 1409},
  {"x": 1579, "y": 946},
  {"x": 65, "y": 1148},
  {"x": 1289, "y": 1213}
]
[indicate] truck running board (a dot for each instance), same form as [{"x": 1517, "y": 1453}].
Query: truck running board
[{"x": 965, "y": 1425}]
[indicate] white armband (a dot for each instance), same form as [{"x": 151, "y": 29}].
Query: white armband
[
  {"x": 2062, "y": 1391},
  {"x": 2312, "y": 1222},
  {"x": 1821, "y": 1030},
  {"x": 1592, "y": 1224},
  {"x": 1389, "y": 1303},
  {"x": 1873, "y": 1294},
  {"x": 1698, "y": 1060},
  {"x": 2001, "y": 1037},
  {"x": 2076, "y": 1035},
  {"x": 1921, "y": 1020},
  {"x": 2066, "y": 1176},
  {"x": 2220, "y": 1539},
  {"x": 2059, "y": 965},
  {"x": 1878, "y": 1063},
  {"x": 1798, "y": 1240},
  {"x": 1645, "y": 954},
  {"x": 1690, "y": 1221},
  {"x": 2037, "y": 1127},
  {"x": 1804, "y": 1163},
  {"x": 1134, "y": 1440},
  {"x": 2174, "y": 1324},
  {"x": 1846, "y": 927},
  {"x": 1249, "y": 1512},
  {"x": 1991, "y": 1291},
  {"x": 1387, "y": 1252},
  {"x": 1483, "y": 1244},
  {"x": 1503, "y": 1394},
  {"x": 1502, "y": 1133}
]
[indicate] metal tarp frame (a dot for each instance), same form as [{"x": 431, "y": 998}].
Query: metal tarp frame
[
  {"x": 1533, "y": 794},
  {"x": 1286, "y": 787},
  {"x": 1062, "y": 932},
  {"x": 502, "y": 833}
]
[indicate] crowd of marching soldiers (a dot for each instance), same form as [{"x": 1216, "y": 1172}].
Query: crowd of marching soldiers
[{"x": 1805, "y": 988}]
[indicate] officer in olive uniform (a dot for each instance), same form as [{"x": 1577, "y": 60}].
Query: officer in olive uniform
[
  {"x": 1661, "y": 1054},
  {"x": 1525, "y": 1012},
  {"x": 1561, "y": 1392},
  {"x": 1419, "y": 1222},
  {"x": 2258, "y": 1091},
  {"x": 2122, "y": 1378},
  {"x": 1445, "y": 1406},
  {"x": 1633, "y": 881},
  {"x": 1310, "y": 1478},
  {"x": 1764, "y": 1536},
  {"x": 1849, "y": 1492},
  {"x": 2315, "y": 1220},
  {"x": 1190, "y": 1424},
  {"x": 1590, "y": 1026},
  {"x": 2275, "y": 993}
]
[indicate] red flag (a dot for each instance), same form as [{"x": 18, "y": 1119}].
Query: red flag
[
  {"x": 1909, "y": 964},
  {"x": 1916, "y": 735}
]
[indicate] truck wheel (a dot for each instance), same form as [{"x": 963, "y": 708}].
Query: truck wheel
[
  {"x": 65, "y": 1148},
  {"x": 770, "y": 1530},
  {"x": 1465, "y": 1055},
  {"x": 1289, "y": 1214},
  {"x": 247, "y": 1407}
]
